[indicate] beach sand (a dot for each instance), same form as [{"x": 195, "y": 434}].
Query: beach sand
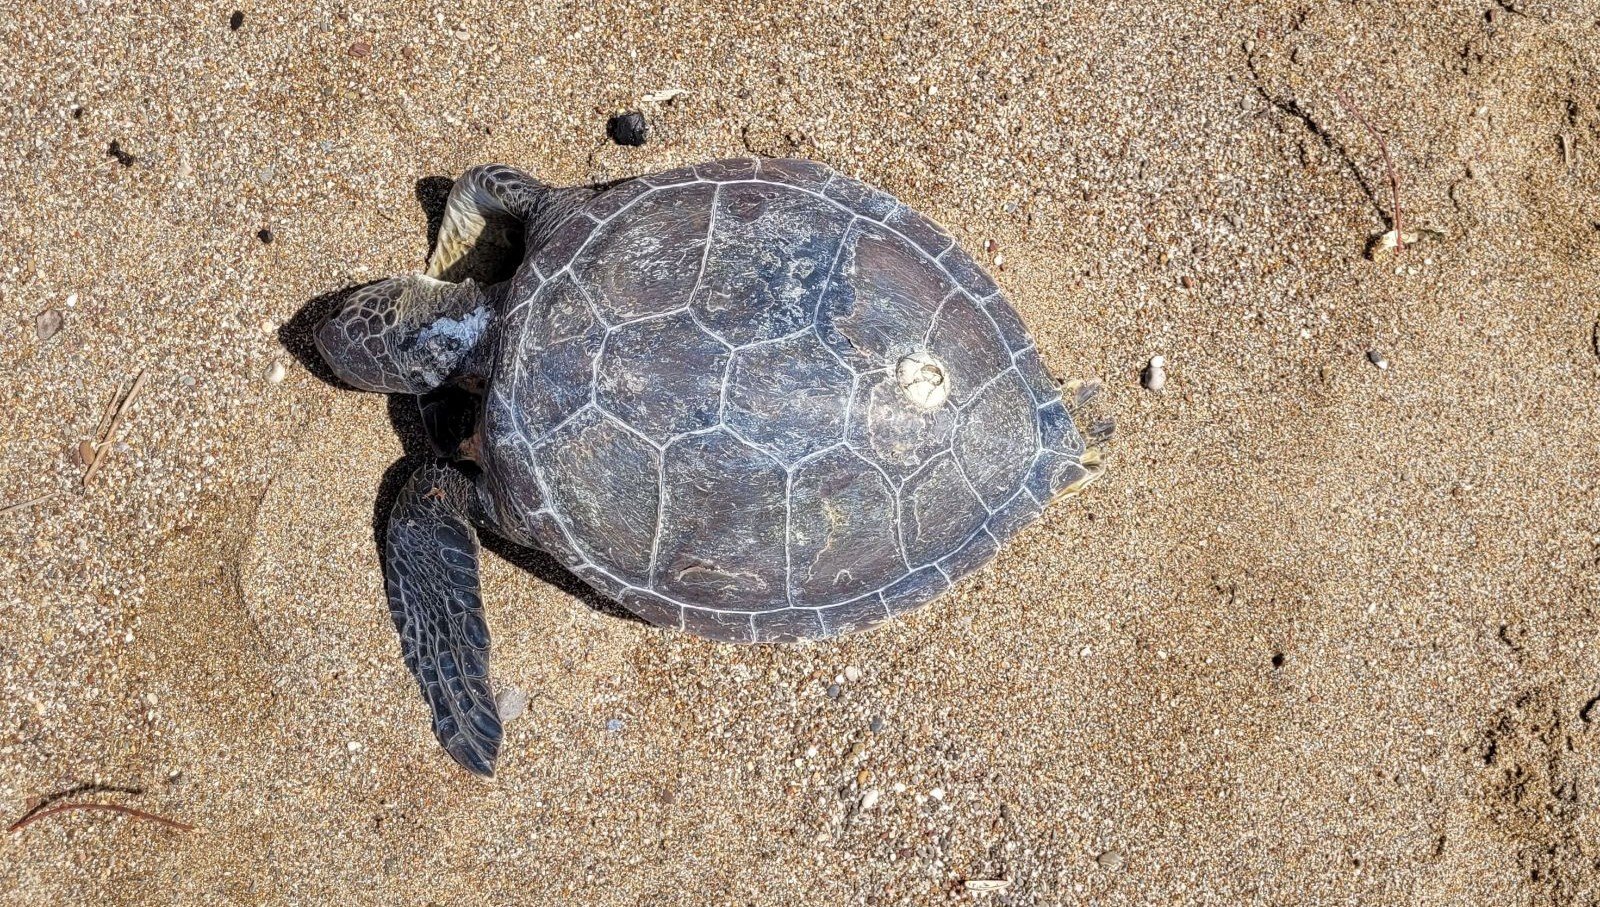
[{"x": 1325, "y": 633}]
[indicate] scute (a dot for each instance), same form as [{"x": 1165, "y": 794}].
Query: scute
[
  {"x": 647, "y": 259},
  {"x": 556, "y": 359},
  {"x": 804, "y": 174},
  {"x": 725, "y": 626},
  {"x": 914, "y": 589},
  {"x": 997, "y": 438},
  {"x": 842, "y": 533},
  {"x": 970, "y": 346},
  {"x": 889, "y": 427},
  {"x": 722, "y": 526},
  {"x": 855, "y": 615},
  {"x": 862, "y": 199},
  {"x": 663, "y": 376},
  {"x": 772, "y": 249},
  {"x": 603, "y": 480},
  {"x": 739, "y": 168},
  {"x": 789, "y": 396},
  {"x": 881, "y": 299},
  {"x": 1010, "y": 324},
  {"x": 938, "y": 511},
  {"x": 788, "y": 625},
  {"x": 557, "y": 251}
]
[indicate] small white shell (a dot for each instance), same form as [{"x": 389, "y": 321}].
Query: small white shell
[
  {"x": 1155, "y": 374},
  {"x": 923, "y": 379},
  {"x": 511, "y": 702}
]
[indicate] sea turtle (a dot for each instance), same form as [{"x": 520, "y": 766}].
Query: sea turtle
[{"x": 754, "y": 400}]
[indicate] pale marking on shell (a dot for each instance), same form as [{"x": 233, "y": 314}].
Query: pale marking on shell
[{"x": 924, "y": 380}]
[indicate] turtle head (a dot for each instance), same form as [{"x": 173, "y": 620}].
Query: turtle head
[{"x": 406, "y": 335}]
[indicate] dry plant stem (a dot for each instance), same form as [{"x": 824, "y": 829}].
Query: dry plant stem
[
  {"x": 109, "y": 807},
  {"x": 116, "y": 420},
  {"x": 23, "y": 505},
  {"x": 1388, "y": 164},
  {"x": 105, "y": 417}
]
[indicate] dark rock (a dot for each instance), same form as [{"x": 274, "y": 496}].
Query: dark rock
[{"x": 628, "y": 129}]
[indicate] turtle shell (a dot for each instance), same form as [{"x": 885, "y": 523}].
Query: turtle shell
[{"x": 762, "y": 401}]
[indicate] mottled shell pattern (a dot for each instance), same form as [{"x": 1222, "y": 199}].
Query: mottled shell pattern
[{"x": 760, "y": 401}]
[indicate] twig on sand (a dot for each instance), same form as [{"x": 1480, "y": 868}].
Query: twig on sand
[
  {"x": 1388, "y": 163},
  {"x": 103, "y": 444},
  {"x": 109, "y": 807},
  {"x": 23, "y": 505}
]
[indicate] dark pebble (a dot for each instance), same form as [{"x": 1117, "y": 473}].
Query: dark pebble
[
  {"x": 876, "y": 724},
  {"x": 833, "y": 691},
  {"x": 124, "y": 158},
  {"x": 1277, "y": 659},
  {"x": 628, "y": 129},
  {"x": 236, "y": 21},
  {"x": 265, "y": 236}
]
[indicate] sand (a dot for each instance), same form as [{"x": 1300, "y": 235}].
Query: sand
[{"x": 1325, "y": 633}]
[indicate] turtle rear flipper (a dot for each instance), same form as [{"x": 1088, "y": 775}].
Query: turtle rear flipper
[{"x": 431, "y": 571}]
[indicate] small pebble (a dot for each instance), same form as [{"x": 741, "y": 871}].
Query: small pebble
[
  {"x": 1154, "y": 376},
  {"x": 1377, "y": 358},
  {"x": 628, "y": 129},
  {"x": 265, "y": 235},
  {"x": 353, "y": 746},
  {"x": 48, "y": 324},
  {"x": 236, "y": 21},
  {"x": 852, "y": 674},
  {"x": 277, "y": 372},
  {"x": 511, "y": 702},
  {"x": 876, "y": 724},
  {"x": 937, "y": 793},
  {"x": 870, "y": 799},
  {"x": 614, "y": 725},
  {"x": 1111, "y": 860},
  {"x": 360, "y": 49},
  {"x": 833, "y": 691}
]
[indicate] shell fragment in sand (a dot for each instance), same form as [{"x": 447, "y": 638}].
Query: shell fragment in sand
[{"x": 663, "y": 96}]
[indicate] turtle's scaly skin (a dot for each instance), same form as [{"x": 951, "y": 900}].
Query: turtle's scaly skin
[{"x": 699, "y": 403}]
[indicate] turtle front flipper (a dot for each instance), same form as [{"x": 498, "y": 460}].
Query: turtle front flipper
[{"x": 431, "y": 571}]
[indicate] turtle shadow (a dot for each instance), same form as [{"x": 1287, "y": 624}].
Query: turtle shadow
[{"x": 432, "y": 193}]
